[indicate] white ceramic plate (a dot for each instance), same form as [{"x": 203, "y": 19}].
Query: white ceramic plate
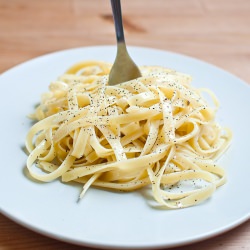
[{"x": 103, "y": 218}]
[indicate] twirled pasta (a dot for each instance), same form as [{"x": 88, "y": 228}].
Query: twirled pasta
[{"x": 155, "y": 130}]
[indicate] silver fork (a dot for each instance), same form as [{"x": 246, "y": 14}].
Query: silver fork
[{"x": 124, "y": 69}]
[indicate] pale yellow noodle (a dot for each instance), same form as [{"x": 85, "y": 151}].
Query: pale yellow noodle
[{"x": 156, "y": 130}]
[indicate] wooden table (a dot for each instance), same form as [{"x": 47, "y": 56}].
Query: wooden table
[{"x": 217, "y": 31}]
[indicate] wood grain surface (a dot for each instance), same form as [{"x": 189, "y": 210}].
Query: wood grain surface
[{"x": 217, "y": 31}]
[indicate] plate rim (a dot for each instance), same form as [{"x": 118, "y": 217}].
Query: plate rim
[
  {"x": 244, "y": 82},
  {"x": 182, "y": 243},
  {"x": 199, "y": 238}
]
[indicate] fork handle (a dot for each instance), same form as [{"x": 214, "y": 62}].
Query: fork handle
[{"x": 117, "y": 15}]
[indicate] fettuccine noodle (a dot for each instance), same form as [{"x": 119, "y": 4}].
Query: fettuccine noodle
[{"x": 156, "y": 130}]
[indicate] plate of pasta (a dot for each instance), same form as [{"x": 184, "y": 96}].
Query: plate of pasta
[{"x": 158, "y": 161}]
